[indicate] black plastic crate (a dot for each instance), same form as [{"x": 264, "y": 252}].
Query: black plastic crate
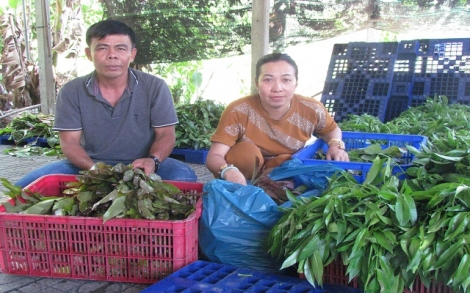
[
  {"x": 428, "y": 67},
  {"x": 358, "y": 79}
]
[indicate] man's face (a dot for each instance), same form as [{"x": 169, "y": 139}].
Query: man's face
[{"x": 111, "y": 55}]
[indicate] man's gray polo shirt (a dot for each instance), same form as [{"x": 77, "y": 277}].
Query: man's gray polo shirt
[{"x": 120, "y": 134}]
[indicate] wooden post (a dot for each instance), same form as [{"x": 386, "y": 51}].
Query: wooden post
[
  {"x": 259, "y": 35},
  {"x": 46, "y": 75}
]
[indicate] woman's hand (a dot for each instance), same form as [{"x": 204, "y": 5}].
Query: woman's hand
[
  {"x": 234, "y": 175},
  {"x": 336, "y": 153}
]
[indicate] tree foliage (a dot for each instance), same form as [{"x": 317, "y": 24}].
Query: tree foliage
[
  {"x": 186, "y": 30},
  {"x": 183, "y": 30}
]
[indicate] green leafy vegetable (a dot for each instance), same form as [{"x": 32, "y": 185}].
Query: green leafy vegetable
[{"x": 108, "y": 192}]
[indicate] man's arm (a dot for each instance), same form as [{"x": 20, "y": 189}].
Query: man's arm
[
  {"x": 73, "y": 151},
  {"x": 161, "y": 148}
]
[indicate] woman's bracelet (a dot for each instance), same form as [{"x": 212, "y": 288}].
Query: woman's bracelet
[
  {"x": 225, "y": 169},
  {"x": 337, "y": 142}
]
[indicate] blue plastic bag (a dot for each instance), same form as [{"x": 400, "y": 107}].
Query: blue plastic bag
[
  {"x": 315, "y": 177},
  {"x": 237, "y": 219}
]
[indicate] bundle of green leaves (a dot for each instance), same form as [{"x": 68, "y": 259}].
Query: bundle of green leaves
[
  {"x": 197, "y": 122},
  {"x": 27, "y": 126},
  {"x": 387, "y": 231},
  {"x": 431, "y": 119},
  {"x": 30, "y": 125},
  {"x": 384, "y": 230}
]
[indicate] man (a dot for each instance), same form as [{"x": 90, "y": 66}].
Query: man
[{"x": 115, "y": 114}]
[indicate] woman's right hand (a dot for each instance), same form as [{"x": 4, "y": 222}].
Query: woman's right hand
[{"x": 234, "y": 175}]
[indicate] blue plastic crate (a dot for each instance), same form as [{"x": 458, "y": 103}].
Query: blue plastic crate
[
  {"x": 358, "y": 79},
  {"x": 34, "y": 141},
  {"x": 203, "y": 276},
  {"x": 190, "y": 156},
  {"x": 355, "y": 140},
  {"x": 37, "y": 141},
  {"x": 6, "y": 140}
]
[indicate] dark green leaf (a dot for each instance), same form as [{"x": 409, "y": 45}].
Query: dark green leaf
[{"x": 41, "y": 208}]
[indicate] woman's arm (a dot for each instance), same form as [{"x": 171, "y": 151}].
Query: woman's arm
[
  {"x": 215, "y": 160},
  {"x": 335, "y": 143}
]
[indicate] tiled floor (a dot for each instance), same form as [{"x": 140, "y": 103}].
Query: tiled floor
[{"x": 13, "y": 168}]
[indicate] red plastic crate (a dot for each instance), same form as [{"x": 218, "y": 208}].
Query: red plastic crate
[
  {"x": 335, "y": 273},
  {"x": 120, "y": 250}
]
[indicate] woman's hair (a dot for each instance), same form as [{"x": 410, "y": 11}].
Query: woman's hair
[
  {"x": 107, "y": 27},
  {"x": 275, "y": 57}
]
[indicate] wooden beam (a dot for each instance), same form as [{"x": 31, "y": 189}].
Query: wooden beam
[
  {"x": 259, "y": 35},
  {"x": 46, "y": 75}
]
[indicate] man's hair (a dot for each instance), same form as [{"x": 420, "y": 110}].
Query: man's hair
[
  {"x": 275, "y": 57},
  {"x": 108, "y": 27}
]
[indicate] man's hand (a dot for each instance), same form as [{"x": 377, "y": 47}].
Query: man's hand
[{"x": 146, "y": 164}]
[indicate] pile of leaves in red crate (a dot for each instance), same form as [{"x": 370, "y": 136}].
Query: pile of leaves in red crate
[{"x": 108, "y": 192}]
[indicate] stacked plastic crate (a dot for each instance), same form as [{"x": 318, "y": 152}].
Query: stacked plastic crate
[
  {"x": 384, "y": 79},
  {"x": 358, "y": 79},
  {"x": 424, "y": 68}
]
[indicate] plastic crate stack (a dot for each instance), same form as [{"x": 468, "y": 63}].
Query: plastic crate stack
[
  {"x": 384, "y": 79},
  {"x": 425, "y": 68},
  {"x": 358, "y": 79}
]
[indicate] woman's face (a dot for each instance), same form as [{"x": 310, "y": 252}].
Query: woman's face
[{"x": 276, "y": 84}]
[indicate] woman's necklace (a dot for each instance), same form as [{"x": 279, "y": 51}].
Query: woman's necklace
[{"x": 288, "y": 108}]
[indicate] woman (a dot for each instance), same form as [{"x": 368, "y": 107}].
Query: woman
[{"x": 263, "y": 130}]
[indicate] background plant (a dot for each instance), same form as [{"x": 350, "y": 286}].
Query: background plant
[
  {"x": 183, "y": 78},
  {"x": 197, "y": 123}
]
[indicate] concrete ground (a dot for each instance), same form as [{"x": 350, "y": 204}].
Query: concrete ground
[{"x": 13, "y": 168}]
